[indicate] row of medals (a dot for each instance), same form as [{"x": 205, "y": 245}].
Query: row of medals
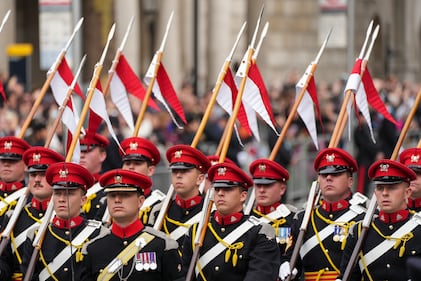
[{"x": 145, "y": 261}]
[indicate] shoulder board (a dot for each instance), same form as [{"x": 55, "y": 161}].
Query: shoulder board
[
  {"x": 94, "y": 223},
  {"x": 358, "y": 199},
  {"x": 169, "y": 242},
  {"x": 254, "y": 220},
  {"x": 417, "y": 217}
]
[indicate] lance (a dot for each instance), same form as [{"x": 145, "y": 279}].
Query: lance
[
  {"x": 309, "y": 73},
  {"x": 6, "y": 17},
  {"x": 215, "y": 91},
  {"x": 256, "y": 52},
  {"x": 203, "y": 224},
  {"x": 22, "y": 200},
  {"x": 91, "y": 90},
  {"x": 373, "y": 203},
  {"x": 156, "y": 61},
  {"x": 47, "y": 82},
  {"x": 117, "y": 56},
  {"x": 39, "y": 238},
  {"x": 199, "y": 132},
  {"x": 342, "y": 117}
]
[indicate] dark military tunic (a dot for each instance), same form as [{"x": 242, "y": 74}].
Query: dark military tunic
[
  {"x": 179, "y": 212},
  {"x": 157, "y": 260},
  {"x": 325, "y": 257},
  {"x": 254, "y": 255},
  {"x": 6, "y": 189},
  {"x": 6, "y": 264},
  {"x": 95, "y": 205},
  {"x": 57, "y": 237},
  {"x": 280, "y": 217},
  {"x": 390, "y": 265},
  {"x": 29, "y": 218}
]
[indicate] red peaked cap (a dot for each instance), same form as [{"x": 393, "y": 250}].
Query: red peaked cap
[
  {"x": 411, "y": 158},
  {"x": 67, "y": 175},
  {"x": 125, "y": 180},
  {"x": 265, "y": 171},
  {"x": 38, "y": 158},
  {"x": 387, "y": 171},
  {"x": 334, "y": 160},
  {"x": 186, "y": 157},
  {"x": 228, "y": 175},
  {"x": 92, "y": 140},
  {"x": 12, "y": 148},
  {"x": 214, "y": 159},
  {"x": 140, "y": 149}
]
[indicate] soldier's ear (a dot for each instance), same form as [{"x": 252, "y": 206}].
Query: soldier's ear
[{"x": 141, "y": 199}]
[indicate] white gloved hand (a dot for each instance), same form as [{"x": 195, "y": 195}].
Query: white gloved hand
[{"x": 285, "y": 271}]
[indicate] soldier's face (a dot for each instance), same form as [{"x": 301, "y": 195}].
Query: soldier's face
[
  {"x": 12, "y": 170},
  {"x": 335, "y": 187},
  {"x": 229, "y": 200},
  {"x": 392, "y": 197},
  {"x": 124, "y": 206},
  {"x": 39, "y": 186},
  {"x": 186, "y": 182},
  {"x": 92, "y": 159},
  {"x": 140, "y": 167},
  {"x": 67, "y": 202},
  {"x": 268, "y": 194},
  {"x": 416, "y": 187}
]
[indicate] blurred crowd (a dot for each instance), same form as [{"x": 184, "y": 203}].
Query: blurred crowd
[{"x": 398, "y": 96}]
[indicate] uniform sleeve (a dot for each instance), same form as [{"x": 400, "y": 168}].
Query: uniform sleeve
[
  {"x": 264, "y": 256},
  {"x": 173, "y": 270},
  {"x": 6, "y": 263},
  {"x": 351, "y": 241},
  {"x": 187, "y": 250}
]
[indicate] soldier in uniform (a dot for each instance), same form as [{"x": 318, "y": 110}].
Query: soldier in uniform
[
  {"x": 37, "y": 159},
  {"x": 92, "y": 155},
  {"x": 130, "y": 251},
  {"x": 12, "y": 172},
  {"x": 188, "y": 167},
  {"x": 394, "y": 235},
  {"x": 235, "y": 246},
  {"x": 324, "y": 240},
  {"x": 142, "y": 156},
  {"x": 60, "y": 254},
  {"x": 411, "y": 158},
  {"x": 270, "y": 180}
]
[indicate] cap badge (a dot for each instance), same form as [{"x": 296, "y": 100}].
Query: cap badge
[
  {"x": 262, "y": 168},
  {"x": 330, "y": 157},
  {"x": 36, "y": 157},
  {"x": 222, "y": 171},
  {"x": 178, "y": 153},
  {"x": 415, "y": 158},
  {"x": 63, "y": 173},
  {"x": 384, "y": 167},
  {"x": 8, "y": 145},
  {"x": 118, "y": 179},
  {"x": 133, "y": 145}
]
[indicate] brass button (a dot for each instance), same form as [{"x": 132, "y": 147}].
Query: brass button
[
  {"x": 98, "y": 206},
  {"x": 388, "y": 265},
  {"x": 216, "y": 268},
  {"x": 222, "y": 229},
  {"x": 413, "y": 252},
  {"x": 331, "y": 216},
  {"x": 41, "y": 214},
  {"x": 187, "y": 212},
  {"x": 390, "y": 227},
  {"x": 65, "y": 269},
  {"x": 67, "y": 232},
  {"x": 125, "y": 243}
]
